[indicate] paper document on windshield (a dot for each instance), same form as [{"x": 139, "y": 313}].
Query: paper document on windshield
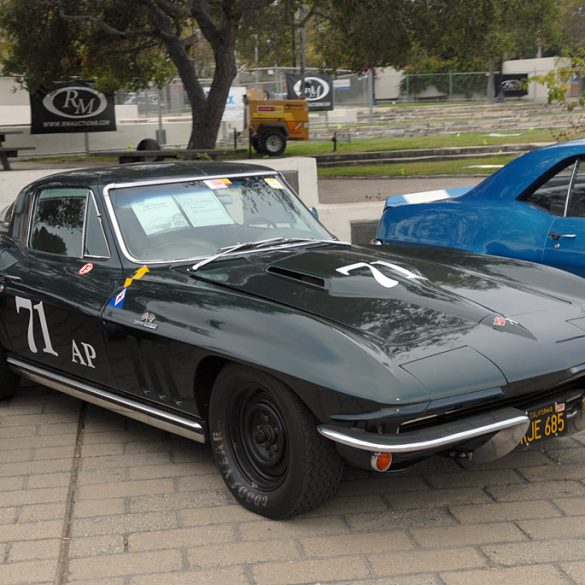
[
  {"x": 157, "y": 214},
  {"x": 203, "y": 208}
]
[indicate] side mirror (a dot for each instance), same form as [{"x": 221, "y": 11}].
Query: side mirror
[{"x": 314, "y": 212}]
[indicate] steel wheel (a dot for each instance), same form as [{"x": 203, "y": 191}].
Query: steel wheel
[
  {"x": 257, "y": 427},
  {"x": 272, "y": 142}
]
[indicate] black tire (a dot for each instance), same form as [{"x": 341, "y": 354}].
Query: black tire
[
  {"x": 272, "y": 142},
  {"x": 266, "y": 444},
  {"x": 8, "y": 379},
  {"x": 256, "y": 145},
  {"x": 149, "y": 144}
]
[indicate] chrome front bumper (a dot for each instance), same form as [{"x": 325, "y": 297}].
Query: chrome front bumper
[{"x": 507, "y": 425}]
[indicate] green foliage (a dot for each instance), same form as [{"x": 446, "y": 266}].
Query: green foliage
[
  {"x": 63, "y": 49},
  {"x": 568, "y": 70},
  {"x": 270, "y": 32},
  {"x": 572, "y": 23},
  {"x": 356, "y": 34},
  {"x": 462, "y": 35},
  {"x": 472, "y": 35}
]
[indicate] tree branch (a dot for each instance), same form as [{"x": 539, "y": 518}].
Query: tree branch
[
  {"x": 201, "y": 13},
  {"x": 160, "y": 19},
  {"x": 101, "y": 25},
  {"x": 189, "y": 41},
  {"x": 172, "y": 9}
]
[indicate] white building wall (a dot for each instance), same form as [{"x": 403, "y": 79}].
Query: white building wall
[
  {"x": 387, "y": 83},
  {"x": 541, "y": 66}
]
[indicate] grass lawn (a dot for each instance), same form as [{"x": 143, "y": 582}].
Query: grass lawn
[
  {"x": 449, "y": 167},
  {"x": 313, "y": 148}
]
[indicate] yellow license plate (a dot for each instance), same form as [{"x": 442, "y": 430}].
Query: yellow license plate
[{"x": 545, "y": 422}]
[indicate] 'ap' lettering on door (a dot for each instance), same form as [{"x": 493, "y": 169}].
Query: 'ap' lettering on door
[{"x": 85, "y": 357}]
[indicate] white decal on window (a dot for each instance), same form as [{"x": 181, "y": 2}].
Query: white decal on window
[
  {"x": 77, "y": 356},
  {"x": 27, "y": 305},
  {"x": 381, "y": 279}
]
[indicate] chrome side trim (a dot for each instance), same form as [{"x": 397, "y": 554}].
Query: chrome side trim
[
  {"x": 570, "y": 187},
  {"x": 99, "y": 216},
  {"x": 121, "y": 405},
  {"x": 432, "y": 438}
]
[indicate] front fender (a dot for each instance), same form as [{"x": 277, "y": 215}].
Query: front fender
[{"x": 269, "y": 336}]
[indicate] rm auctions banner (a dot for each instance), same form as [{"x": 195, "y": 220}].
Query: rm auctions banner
[
  {"x": 72, "y": 108},
  {"x": 317, "y": 90}
]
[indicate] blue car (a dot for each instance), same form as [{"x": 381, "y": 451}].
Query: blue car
[{"x": 532, "y": 209}]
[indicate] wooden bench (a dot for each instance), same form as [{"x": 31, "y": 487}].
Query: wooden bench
[
  {"x": 127, "y": 156},
  {"x": 7, "y": 152}
]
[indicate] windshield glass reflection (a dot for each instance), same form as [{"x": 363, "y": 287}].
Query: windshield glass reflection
[{"x": 192, "y": 219}]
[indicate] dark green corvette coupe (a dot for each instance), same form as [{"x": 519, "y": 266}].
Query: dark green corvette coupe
[{"x": 206, "y": 300}]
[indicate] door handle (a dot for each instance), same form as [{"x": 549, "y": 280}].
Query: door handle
[{"x": 559, "y": 236}]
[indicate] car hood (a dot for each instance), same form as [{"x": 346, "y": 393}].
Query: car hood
[
  {"x": 397, "y": 324},
  {"x": 398, "y": 299}
]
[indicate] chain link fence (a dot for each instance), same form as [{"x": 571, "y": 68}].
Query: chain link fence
[
  {"x": 444, "y": 86},
  {"x": 349, "y": 89}
]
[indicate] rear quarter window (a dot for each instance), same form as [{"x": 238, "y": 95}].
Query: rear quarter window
[{"x": 58, "y": 219}]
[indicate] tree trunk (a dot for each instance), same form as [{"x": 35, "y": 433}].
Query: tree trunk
[
  {"x": 491, "y": 84},
  {"x": 206, "y": 110},
  {"x": 207, "y": 113}
]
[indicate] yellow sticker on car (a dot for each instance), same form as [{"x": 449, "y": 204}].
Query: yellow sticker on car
[
  {"x": 137, "y": 276},
  {"x": 274, "y": 183}
]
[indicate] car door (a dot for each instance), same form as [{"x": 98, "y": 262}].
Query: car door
[
  {"x": 538, "y": 210},
  {"x": 57, "y": 274},
  {"x": 565, "y": 243}
]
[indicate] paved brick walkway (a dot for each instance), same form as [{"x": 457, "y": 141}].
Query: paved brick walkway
[{"x": 88, "y": 497}]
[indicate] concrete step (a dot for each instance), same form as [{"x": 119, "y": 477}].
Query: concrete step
[{"x": 420, "y": 155}]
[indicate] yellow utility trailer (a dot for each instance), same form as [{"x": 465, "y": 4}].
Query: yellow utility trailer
[{"x": 273, "y": 122}]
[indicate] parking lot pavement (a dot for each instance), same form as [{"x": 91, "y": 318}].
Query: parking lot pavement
[
  {"x": 88, "y": 497},
  {"x": 361, "y": 190}
]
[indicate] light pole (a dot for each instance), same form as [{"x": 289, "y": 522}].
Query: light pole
[
  {"x": 302, "y": 47},
  {"x": 256, "y": 59}
]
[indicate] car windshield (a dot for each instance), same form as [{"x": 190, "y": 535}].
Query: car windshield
[{"x": 180, "y": 221}]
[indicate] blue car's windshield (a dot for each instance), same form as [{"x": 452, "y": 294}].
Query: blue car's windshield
[{"x": 191, "y": 219}]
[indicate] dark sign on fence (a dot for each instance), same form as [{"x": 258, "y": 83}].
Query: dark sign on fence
[
  {"x": 317, "y": 89},
  {"x": 511, "y": 84},
  {"x": 72, "y": 108}
]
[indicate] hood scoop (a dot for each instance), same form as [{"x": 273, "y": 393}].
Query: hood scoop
[{"x": 297, "y": 276}]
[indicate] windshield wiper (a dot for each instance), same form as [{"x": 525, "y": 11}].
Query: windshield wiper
[{"x": 263, "y": 244}]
